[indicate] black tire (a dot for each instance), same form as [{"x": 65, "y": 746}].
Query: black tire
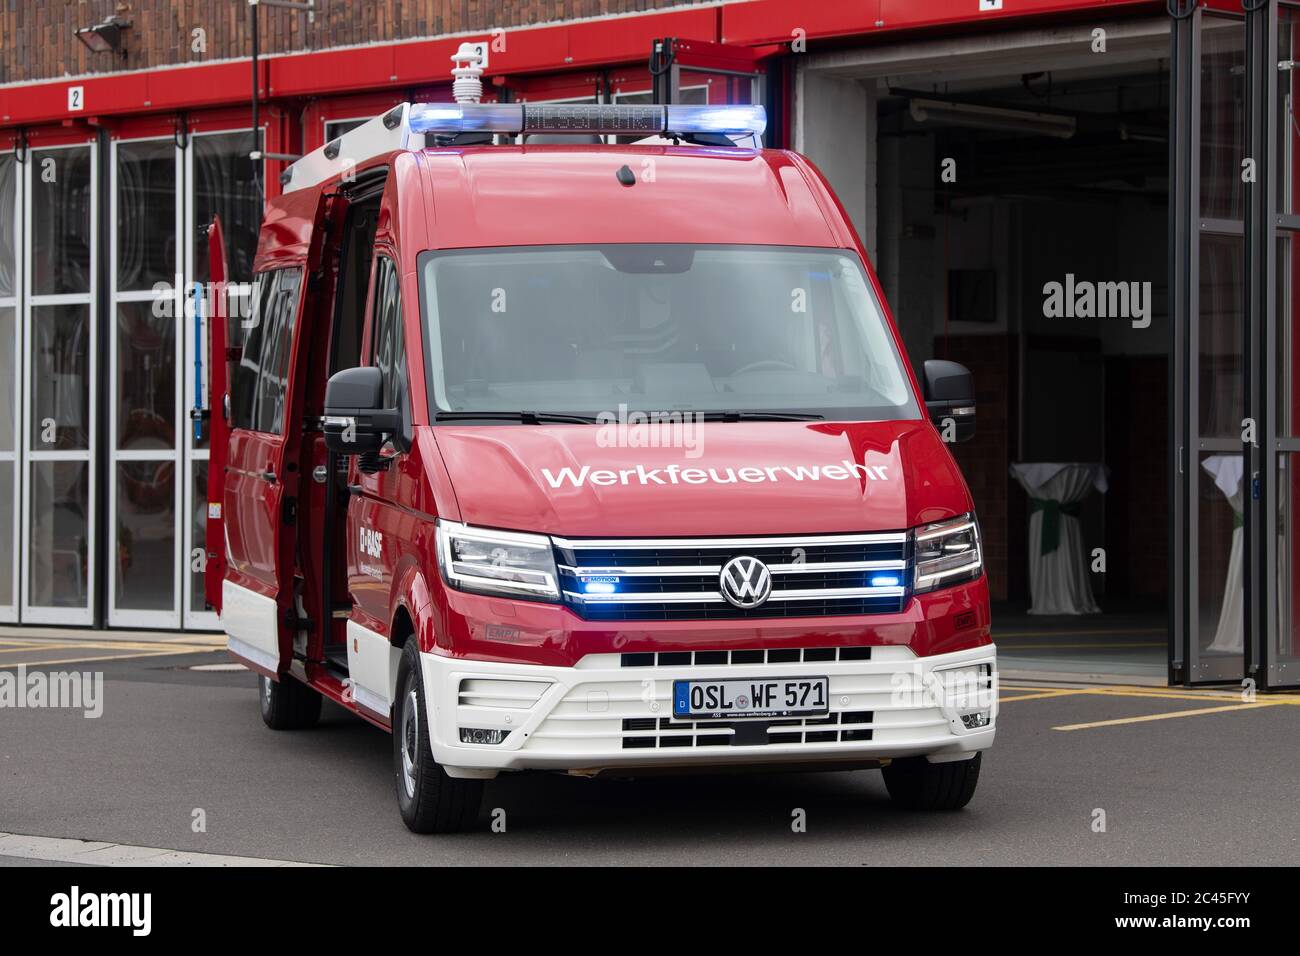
[
  {"x": 288, "y": 704},
  {"x": 429, "y": 800},
  {"x": 917, "y": 784}
]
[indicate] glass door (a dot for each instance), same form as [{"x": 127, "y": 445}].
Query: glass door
[
  {"x": 221, "y": 181},
  {"x": 1276, "y": 657},
  {"x": 144, "y": 575},
  {"x": 1235, "y": 268},
  {"x": 60, "y": 355},
  {"x": 1207, "y": 212},
  {"x": 10, "y": 395},
  {"x": 164, "y": 191}
]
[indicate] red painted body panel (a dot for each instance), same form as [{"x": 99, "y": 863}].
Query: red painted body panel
[
  {"x": 512, "y": 477},
  {"x": 252, "y": 510},
  {"x": 475, "y": 196},
  {"x": 500, "y": 476},
  {"x": 218, "y": 428},
  {"x": 286, "y": 229},
  {"x": 535, "y": 633}
]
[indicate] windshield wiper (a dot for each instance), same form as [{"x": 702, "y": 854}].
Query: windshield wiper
[
  {"x": 739, "y": 416},
  {"x": 524, "y": 418}
]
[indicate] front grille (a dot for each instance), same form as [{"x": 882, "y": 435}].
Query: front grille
[
  {"x": 650, "y": 733},
  {"x": 873, "y": 700},
  {"x": 772, "y": 655},
  {"x": 678, "y": 579}
]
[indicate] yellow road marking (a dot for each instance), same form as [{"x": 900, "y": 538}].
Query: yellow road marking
[
  {"x": 1039, "y": 696},
  {"x": 40, "y": 647},
  {"x": 1040, "y": 693},
  {"x": 145, "y": 646},
  {"x": 1060, "y": 647},
  {"x": 107, "y": 657},
  {"x": 1168, "y": 716},
  {"x": 113, "y": 646},
  {"x": 1082, "y": 632}
]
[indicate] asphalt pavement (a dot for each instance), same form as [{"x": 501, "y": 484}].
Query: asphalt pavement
[{"x": 1080, "y": 775}]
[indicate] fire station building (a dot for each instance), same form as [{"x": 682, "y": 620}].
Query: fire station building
[{"x": 1087, "y": 202}]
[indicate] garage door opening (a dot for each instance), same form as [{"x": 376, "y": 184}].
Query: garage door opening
[{"x": 1022, "y": 229}]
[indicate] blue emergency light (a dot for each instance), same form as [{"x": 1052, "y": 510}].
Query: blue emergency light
[{"x": 526, "y": 118}]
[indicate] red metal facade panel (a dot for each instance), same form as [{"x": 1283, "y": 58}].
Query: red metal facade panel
[
  {"x": 774, "y": 21},
  {"x": 613, "y": 41},
  {"x": 908, "y": 14},
  {"x": 627, "y": 39}
]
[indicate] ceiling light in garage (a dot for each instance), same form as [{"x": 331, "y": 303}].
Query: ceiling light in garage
[{"x": 992, "y": 117}]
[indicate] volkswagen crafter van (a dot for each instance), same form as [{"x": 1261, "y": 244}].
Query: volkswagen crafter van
[{"x": 547, "y": 450}]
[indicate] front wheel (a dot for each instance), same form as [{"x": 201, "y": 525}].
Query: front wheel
[
  {"x": 430, "y": 801},
  {"x": 288, "y": 704},
  {"x": 917, "y": 784}
]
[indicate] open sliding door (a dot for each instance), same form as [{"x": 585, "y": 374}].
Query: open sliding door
[
  {"x": 10, "y": 374},
  {"x": 1234, "y": 266},
  {"x": 1274, "y": 650},
  {"x": 1207, "y": 242}
]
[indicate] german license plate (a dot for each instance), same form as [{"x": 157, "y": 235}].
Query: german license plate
[{"x": 757, "y": 698}]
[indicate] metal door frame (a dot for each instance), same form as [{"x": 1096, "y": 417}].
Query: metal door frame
[
  {"x": 1271, "y": 222},
  {"x": 1187, "y": 226},
  {"x": 131, "y": 617},
  {"x": 39, "y": 613},
  {"x": 15, "y": 459}
]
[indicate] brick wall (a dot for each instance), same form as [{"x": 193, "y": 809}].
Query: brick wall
[
  {"x": 37, "y": 41},
  {"x": 984, "y": 459}
]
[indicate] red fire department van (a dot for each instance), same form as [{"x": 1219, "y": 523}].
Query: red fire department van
[{"x": 544, "y": 448}]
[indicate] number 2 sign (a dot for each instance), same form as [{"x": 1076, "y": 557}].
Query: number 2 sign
[{"x": 76, "y": 99}]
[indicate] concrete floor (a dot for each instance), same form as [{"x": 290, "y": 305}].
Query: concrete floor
[{"x": 1129, "y": 644}]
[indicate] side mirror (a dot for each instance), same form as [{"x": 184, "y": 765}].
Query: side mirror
[
  {"x": 950, "y": 399},
  {"x": 354, "y": 421}
]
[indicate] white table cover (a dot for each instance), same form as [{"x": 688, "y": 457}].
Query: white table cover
[
  {"x": 1227, "y": 471},
  {"x": 1059, "y": 581}
]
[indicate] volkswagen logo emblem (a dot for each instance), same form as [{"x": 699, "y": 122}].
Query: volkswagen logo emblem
[{"x": 745, "y": 582}]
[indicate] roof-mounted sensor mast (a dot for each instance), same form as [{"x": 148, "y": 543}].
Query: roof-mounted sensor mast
[{"x": 467, "y": 120}]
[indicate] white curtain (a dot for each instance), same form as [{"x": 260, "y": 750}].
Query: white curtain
[
  {"x": 1227, "y": 471},
  {"x": 1059, "y": 576}
]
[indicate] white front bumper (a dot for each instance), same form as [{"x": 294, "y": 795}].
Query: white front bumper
[{"x": 581, "y": 718}]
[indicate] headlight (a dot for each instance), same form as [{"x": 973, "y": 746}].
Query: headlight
[
  {"x": 497, "y": 562},
  {"x": 946, "y": 553}
]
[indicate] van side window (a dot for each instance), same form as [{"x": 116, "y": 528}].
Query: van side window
[
  {"x": 388, "y": 344},
  {"x": 261, "y": 378},
  {"x": 353, "y": 284}
]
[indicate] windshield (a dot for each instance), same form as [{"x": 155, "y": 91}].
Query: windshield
[{"x": 587, "y": 329}]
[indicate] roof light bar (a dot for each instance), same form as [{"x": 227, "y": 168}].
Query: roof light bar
[{"x": 525, "y": 118}]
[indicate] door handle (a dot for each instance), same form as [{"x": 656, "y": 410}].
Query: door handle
[{"x": 268, "y": 475}]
